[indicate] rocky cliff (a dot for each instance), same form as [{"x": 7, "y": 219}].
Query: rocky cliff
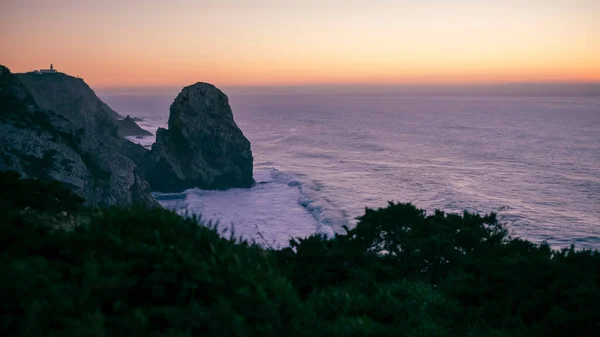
[
  {"x": 128, "y": 127},
  {"x": 53, "y": 126},
  {"x": 71, "y": 98},
  {"x": 203, "y": 147}
]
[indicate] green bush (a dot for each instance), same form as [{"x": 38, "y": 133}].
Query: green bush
[
  {"x": 399, "y": 272},
  {"x": 140, "y": 272},
  {"x": 501, "y": 285},
  {"x": 49, "y": 196}
]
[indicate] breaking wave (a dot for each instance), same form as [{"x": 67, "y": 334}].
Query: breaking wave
[{"x": 278, "y": 208}]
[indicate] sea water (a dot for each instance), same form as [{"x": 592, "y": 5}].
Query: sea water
[{"x": 321, "y": 159}]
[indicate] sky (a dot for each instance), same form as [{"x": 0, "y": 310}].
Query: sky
[{"x": 148, "y": 43}]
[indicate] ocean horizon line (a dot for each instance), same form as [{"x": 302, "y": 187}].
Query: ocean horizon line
[{"x": 516, "y": 89}]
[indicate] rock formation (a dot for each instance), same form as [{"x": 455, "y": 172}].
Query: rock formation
[
  {"x": 203, "y": 147},
  {"x": 128, "y": 127},
  {"x": 61, "y": 130},
  {"x": 71, "y": 98},
  {"x": 74, "y": 100},
  {"x": 54, "y": 126}
]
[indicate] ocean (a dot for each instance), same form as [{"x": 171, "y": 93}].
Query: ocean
[{"x": 320, "y": 159}]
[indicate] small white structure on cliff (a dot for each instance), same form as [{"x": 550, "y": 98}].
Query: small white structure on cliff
[{"x": 46, "y": 71}]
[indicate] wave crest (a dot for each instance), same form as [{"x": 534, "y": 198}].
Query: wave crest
[{"x": 330, "y": 219}]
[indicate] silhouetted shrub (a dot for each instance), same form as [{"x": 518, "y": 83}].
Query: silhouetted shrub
[
  {"x": 50, "y": 196},
  {"x": 399, "y": 272},
  {"x": 140, "y": 272},
  {"x": 489, "y": 282}
]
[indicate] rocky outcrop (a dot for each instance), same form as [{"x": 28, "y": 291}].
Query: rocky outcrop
[
  {"x": 71, "y": 98},
  {"x": 60, "y": 132},
  {"x": 128, "y": 127},
  {"x": 203, "y": 147},
  {"x": 53, "y": 126}
]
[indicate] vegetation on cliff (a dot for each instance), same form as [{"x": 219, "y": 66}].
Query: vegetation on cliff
[
  {"x": 399, "y": 272},
  {"x": 54, "y": 127}
]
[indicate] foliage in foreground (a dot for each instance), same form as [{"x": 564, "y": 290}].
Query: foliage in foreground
[
  {"x": 399, "y": 272},
  {"x": 47, "y": 196}
]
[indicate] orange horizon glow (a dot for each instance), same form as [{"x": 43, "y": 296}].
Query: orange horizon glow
[{"x": 254, "y": 43}]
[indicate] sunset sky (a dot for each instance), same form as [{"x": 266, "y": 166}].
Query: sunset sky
[{"x": 275, "y": 42}]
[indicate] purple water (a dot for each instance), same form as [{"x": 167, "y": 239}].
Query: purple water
[{"x": 324, "y": 158}]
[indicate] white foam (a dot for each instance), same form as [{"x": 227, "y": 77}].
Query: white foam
[
  {"x": 278, "y": 208},
  {"x": 150, "y": 124},
  {"x": 329, "y": 218},
  {"x": 145, "y": 141}
]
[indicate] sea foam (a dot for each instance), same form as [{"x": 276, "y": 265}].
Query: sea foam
[{"x": 278, "y": 208}]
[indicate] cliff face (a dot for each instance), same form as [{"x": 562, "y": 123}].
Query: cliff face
[
  {"x": 54, "y": 126},
  {"x": 128, "y": 127},
  {"x": 71, "y": 98},
  {"x": 61, "y": 131},
  {"x": 203, "y": 147}
]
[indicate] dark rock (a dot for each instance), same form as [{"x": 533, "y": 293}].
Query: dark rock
[
  {"x": 40, "y": 143},
  {"x": 71, "y": 98},
  {"x": 203, "y": 147},
  {"x": 128, "y": 127}
]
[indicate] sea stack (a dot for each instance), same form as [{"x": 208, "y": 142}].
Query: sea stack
[
  {"x": 203, "y": 147},
  {"x": 128, "y": 127}
]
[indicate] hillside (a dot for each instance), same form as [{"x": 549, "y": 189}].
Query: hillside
[
  {"x": 40, "y": 142},
  {"x": 399, "y": 272}
]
